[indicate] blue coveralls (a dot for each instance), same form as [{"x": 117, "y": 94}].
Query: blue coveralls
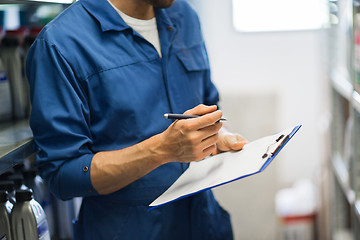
[{"x": 97, "y": 85}]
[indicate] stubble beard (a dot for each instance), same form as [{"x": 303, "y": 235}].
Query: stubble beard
[{"x": 160, "y": 3}]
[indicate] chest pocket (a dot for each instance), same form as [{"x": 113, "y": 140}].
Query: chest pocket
[
  {"x": 191, "y": 77},
  {"x": 194, "y": 59}
]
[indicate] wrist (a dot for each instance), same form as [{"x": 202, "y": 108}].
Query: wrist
[{"x": 155, "y": 147}]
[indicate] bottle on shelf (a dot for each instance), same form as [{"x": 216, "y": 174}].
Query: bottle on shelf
[
  {"x": 41, "y": 194},
  {"x": 5, "y": 95},
  {"x": 28, "y": 219},
  {"x": 10, "y": 55},
  {"x": 5, "y": 229}
]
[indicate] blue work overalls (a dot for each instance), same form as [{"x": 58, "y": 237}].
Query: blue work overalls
[{"x": 97, "y": 85}]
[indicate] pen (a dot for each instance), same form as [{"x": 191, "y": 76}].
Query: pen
[{"x": 182, "y": 116}]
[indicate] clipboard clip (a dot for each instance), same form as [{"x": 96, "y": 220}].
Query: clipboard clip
[{"x": 281, "y": 137}]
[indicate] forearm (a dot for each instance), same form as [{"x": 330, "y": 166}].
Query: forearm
[
  {"x": 183, "y": 141},
  {"x": 113, "y": 170}
]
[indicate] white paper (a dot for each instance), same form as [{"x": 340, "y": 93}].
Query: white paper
[{"x": 221, "y": 168}]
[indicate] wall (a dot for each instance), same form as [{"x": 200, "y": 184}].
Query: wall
[
  {"x": 289, "y": 64},
  {"x": 268, "y": 81}
]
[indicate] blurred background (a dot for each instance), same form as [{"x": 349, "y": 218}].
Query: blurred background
[
  {"x": 269, "y": 60},
  {"x": 276, "y": 64}
]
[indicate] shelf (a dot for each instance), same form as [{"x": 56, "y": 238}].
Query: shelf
[
  {"x": 342, "y": 234},
  {"x": 16, "y": 144},
  {"x": 356, "y": 101},
  {"x": 357, "y": 209},
  {"x": 342, "y": 176},
  {"x": 342, "y": 84},
  {"x": 343, "y": 179}
]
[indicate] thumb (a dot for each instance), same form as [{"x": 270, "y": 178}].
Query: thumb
[
  {"x": 232, "y": 142},
  {"x": 236, "y": 142}
]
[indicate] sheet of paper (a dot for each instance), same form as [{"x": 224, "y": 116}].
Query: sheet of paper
[{"x": 222, "y": 168}]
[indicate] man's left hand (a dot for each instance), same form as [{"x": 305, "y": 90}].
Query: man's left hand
[{"x": 228, "y": 141}]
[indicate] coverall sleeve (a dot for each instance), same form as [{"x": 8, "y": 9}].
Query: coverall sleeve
[{"x": 60, "y": 122}]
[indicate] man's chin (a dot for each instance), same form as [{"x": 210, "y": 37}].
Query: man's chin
[{"x": 161, "y": 3}]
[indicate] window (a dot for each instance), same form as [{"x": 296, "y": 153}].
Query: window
[{"x": 279, "y": 15}]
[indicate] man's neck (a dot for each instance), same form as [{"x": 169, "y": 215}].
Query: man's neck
[{"x": 135, "y": 8}]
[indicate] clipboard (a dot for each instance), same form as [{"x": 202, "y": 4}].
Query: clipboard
[{"x": 226, "y": 167}]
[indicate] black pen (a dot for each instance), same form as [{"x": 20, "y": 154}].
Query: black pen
[{"x": 182, "y": 116}]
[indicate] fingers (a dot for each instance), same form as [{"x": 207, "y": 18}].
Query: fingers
[
  {"x": 209, "y": 130},
  {"x": 199, "y": 135},
  {"x": 208, "y": 142},
  {"x": 193, "y": 139},
  {"x": 203, "y": 121},
  {"x": 201, "y": 109},
  {"x": 205, "y": 147},
  {"x": 209, "y": 151},
  {"x": 208, "y": 116},
  {"x": 200, "y": 139}
]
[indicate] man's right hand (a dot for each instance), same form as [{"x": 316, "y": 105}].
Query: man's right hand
[
  {"x": 190, "y": 139},
  {"x": 183, "y": 141}
]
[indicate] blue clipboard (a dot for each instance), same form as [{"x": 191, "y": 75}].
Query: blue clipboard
[{"x": 226, "y": 167}]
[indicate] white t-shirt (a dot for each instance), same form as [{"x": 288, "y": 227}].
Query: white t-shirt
[{"x": 146, "y": 28}]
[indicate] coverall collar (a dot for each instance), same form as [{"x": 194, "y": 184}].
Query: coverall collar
[{"x": 109, "y": 19}]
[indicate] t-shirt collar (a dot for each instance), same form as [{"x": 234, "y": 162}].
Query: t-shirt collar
[{"x": 109, "y": 19}]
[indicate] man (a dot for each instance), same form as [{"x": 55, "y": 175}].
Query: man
[{"x": 100, "y": 84}]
